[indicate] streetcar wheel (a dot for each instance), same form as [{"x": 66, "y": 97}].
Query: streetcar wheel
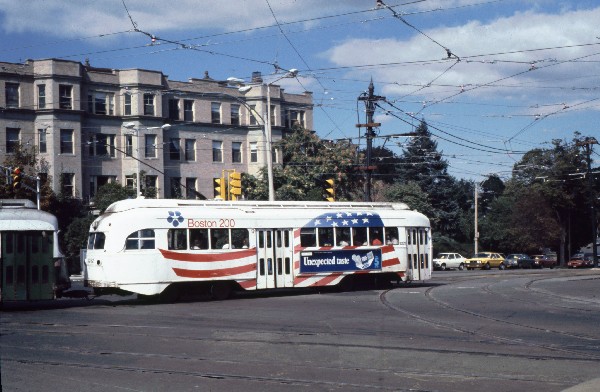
[{"x": 220, "y": 291}]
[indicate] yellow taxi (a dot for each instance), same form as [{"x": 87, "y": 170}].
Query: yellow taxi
[{"x": 485, "y": 260}]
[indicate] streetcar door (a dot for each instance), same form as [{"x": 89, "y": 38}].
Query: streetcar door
[
  {"x": 41, "y": 273},
  {"x": 14, "y": 266},
  {"x": 417, "y": 245},
  {"x": 274, "y": 252}
]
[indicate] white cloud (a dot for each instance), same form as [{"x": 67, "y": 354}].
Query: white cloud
[
  {"x": 83, "y": 18},
  {"x": 517, "y": 33}
]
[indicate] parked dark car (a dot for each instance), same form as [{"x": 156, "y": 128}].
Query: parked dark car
[
  {"x": 519, "y": 260},
  {"x": 550, "y": 260},
  {"x": 581, "y": 260}
]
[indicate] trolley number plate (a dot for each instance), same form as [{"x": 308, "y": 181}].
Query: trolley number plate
[{"x": 204, "y": 223}]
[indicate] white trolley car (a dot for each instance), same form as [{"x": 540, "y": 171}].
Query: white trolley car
[
  {"x": 31, "y": 264},
  {"x": 150, "y": 246}
]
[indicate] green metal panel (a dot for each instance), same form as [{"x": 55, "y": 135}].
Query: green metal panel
[
  {"x": 41, "y": 266},
  {"x": 14, "y": 266},
  {"x": 28, "y": 271}
]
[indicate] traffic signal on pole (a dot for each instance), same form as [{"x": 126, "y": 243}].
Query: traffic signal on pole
[
  {"x": 16, "y": 178},
  {"x": 329, "y": 189},
  {"x": 235, "y": 185},
  {"x": 220, "y": 188}
]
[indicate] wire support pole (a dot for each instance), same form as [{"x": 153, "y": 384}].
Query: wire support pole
[
  {"x": 370, "y": 99},
  {"x": 587, "y": 143}
]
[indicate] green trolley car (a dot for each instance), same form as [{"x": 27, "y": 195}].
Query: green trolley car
[{"x": 32, "y": 265}]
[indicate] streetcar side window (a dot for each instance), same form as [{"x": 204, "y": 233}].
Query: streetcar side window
[
  {"x": 308, "y": 237},
  {"x": 141, "y": 239},
  {"x": 177, "y": 239},
  {"x": 325, "y": 236},
  {"x": 342, "y": 236},
  {"x": 359, "y": 236},
  {"x": 96, "y": 241},
  {"x": 391, "y": 236},
  {"x": 376, "y": 235},
  {"x": 198, "y": 239},
  {"x": 219, "y": 239},
  {"x": 239, "y": 238}
]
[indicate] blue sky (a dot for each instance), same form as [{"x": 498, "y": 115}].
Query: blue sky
[{"x": 520, "y": 73}]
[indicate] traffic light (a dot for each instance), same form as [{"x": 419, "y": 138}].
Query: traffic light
[
  {"x": 16, "y": 178},
  {"x": 220, "y": 189},
  {"x": 235, "y": 185},
  {"x": 329, "y": 189}
]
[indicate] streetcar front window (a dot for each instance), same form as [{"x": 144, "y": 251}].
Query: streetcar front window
[{"x": 96, "y": 241}]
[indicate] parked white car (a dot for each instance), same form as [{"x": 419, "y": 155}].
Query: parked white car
[{"x": 445, "y": 261}]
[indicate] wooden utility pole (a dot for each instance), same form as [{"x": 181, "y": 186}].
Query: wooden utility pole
[
  {"x": 370, "y": 98},
  {"x": 587, "y": 143}
]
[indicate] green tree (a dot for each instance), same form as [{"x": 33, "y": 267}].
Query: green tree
[
  {"x": 110, "y": 193},
  {"x": 307, "y": 162},
  {"x": 556, "y": 177},
  {"x": 423, "y": 164}
]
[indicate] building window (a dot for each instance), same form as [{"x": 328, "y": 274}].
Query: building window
[
  {"x": 252, "y": 117},
  {"x": 102, "y": 145},
  {"x": 127, "y": 104},
  {"x": 96, "y": 182},
  {"x": 253, "y": 152},
  {"x": 13, "y": 140},
  {"x": 174, "y": 149},
  {"x": 65, "y": 98},
  {"x": 12, "y": 95},
  {"x": 130, "y": 182},
  {"x": 41, "y": 96},
  {"x": 66, "y": 141},
  {"x": 273, "y": 116},
  {"x": 173, "y": 109},
  {"x": 190, "y": 149},
  {"x": 274, "y": 155},
  {"x": 67, "y": 184},
  {"x": 217, "y": 151},
  {"x": 176, "y": 187},
  {"x": 149, "y": 104},
  {"x": 296, "y": 118},
  {"x": 215, "y": 112},
  {"x": 190, "y": 188},
  {"x": 235, "y": 114},
  {"x": 188, "y": 110},
  {"x": 101, "y": 103},
  {"x": 42, "y": 145},
  {"x": 150, "y": 146},
  {"x": 129, "y": 145},
  {"x": 151, "y": 189},
  {"x": 236, "y": 152}
]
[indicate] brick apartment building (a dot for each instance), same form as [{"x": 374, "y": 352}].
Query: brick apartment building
[{"x": 96, "y": 125}]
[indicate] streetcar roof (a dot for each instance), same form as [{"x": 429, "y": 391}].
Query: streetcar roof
[
  {"x": 129, "y": 204},
  {"x": 22, "y": 215}
]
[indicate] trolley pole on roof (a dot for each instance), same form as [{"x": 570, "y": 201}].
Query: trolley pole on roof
[{"x": 369, "y": 100}]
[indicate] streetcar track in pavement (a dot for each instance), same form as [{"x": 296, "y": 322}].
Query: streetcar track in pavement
[
  {"x": 385, "y": 302},
  {"x": 449, "y": 377},
  {"x": 287, "y": 339}
]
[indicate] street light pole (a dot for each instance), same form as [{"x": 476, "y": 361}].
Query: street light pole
[
  {"x": 136, "y": 131},
  {"x": 292, "y": 73}
]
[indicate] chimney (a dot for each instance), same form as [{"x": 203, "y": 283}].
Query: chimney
[{"x": 257, "y": 77}]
